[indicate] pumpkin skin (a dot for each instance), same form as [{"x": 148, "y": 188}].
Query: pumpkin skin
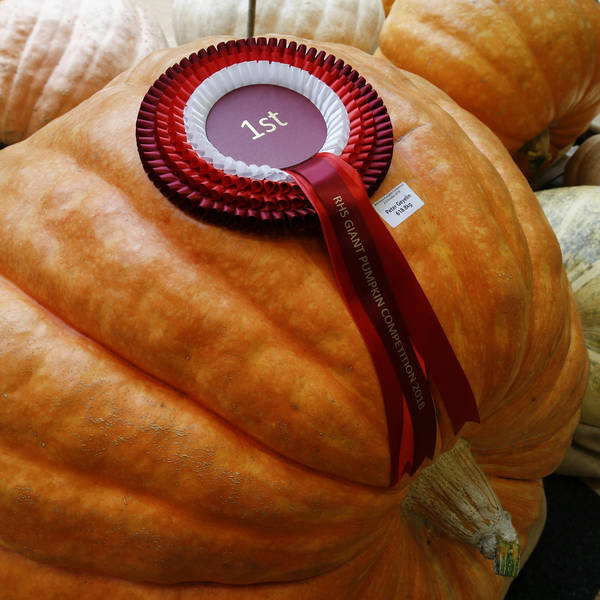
[
  {"x": 56, "y": 53},
  {"x": 353, "y": 22},
  {"x": 574, "y": 212},
  {"x": 523, "y": 67},
  {"x": 179, "y": 408},
  {"x": 583, "y": 168},
  {"x": 387, "y": 6}
]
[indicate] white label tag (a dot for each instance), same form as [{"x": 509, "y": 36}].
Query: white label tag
[{"x": 398, "y": 204}]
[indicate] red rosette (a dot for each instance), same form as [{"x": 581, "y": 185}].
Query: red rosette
[
  {"x": 208, "y": 192},
  {"x": 329, "y": 187}
]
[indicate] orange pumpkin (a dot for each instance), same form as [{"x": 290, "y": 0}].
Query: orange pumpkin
[
  {"x": 527, "y": 68},
  {"x": 190, "y": 411},
  {"x": 387, "y": 6}
]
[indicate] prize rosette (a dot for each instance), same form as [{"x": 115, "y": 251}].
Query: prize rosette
[
  {"x": 341, "y": 115},
  {"x": 263, "y": 134}
]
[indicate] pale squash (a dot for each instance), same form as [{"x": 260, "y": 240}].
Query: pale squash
[
  {"x": 583, "y": 168},
  {"x": 56, "y": 53},
  {"x": 189, "y": 411},
  {"x": 353, "y": 22},
  {"x": 574, "y": 212},
  {"x": 528, "y": 69}
]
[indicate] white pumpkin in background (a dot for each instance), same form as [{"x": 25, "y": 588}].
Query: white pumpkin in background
[
  {"x": 583, "y": 167},
  {"x": 352, "y": 22},
  {"x": 56, "y": 53},
  {"x": 574, "y": 213}
]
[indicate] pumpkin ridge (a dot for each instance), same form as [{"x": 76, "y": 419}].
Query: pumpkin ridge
[
  {"x": 300, "y": 240},
  {"x": 443, "y": 579},
  {"x": 358, "y": 16},
  {"x": 555, "y": 407},
  {"x": 78, "y": 77},
  {"x": 57, "y": 55},
  {"x": 584, "y": 88},
  {"x": 475, "y": 164},
  {"x": 150, "y": 526},
  {"x": 365, "y": 581},
  {"x": 495, "y": 216},
  {"x": 439, "y": 26},
  {"x": 497, "y": 444},
  {"x": 140, "y": 49},
  {"x": 193, "y": 397},
  {"x": 113, "y": 19},
  {"x": 22, "y": 72},
  {"x": 370, "y": 415},
  {"x": 294, "y": 338},
  {"x": 95, "y": 476},
  {"x": 544, "y": 255},
  {"x": 536, "y": 59},
  {"x": 40, "y": 95},
  {"x": 69, "y": 583},
  {"x": 4, "y": 75},
  {"x": 126, "y": 425}
]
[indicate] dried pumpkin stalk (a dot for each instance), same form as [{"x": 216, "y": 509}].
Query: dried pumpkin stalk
[
  {"x": 537, "y": 151},
  {"x": 454, "y": 495}
]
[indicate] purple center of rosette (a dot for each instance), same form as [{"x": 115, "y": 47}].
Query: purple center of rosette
[{"x": 266, "y": 124}]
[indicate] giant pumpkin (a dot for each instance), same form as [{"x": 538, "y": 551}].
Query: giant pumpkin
[
  {"x": 528, "y": 69},
  {"x": 189, "y": 411}
]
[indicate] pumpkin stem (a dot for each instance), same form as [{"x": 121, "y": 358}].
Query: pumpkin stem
[
  {"x": 537, "y": 151},
  {"x": 455, "y": 496}
]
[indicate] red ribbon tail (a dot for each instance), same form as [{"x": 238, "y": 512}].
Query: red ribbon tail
[
  {"x": 422, "y": 323},
  {"x": 355, "y": 246}
]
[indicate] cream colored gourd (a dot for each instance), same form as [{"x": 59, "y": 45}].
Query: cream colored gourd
[
  {"x": 574, "y": 213},
  {"x": 56, "y": 53},
  {"x": 353, "y": 22},
  {"x": 583, "y": 168}
]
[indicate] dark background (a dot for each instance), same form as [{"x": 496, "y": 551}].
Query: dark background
[{"x": 565, "y": 564}]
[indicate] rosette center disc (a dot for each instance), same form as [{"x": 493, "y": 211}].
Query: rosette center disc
[{"x": 266, "y": 124}]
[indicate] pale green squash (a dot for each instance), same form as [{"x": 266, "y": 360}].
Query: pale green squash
[{"x": 574, "y": 213}]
